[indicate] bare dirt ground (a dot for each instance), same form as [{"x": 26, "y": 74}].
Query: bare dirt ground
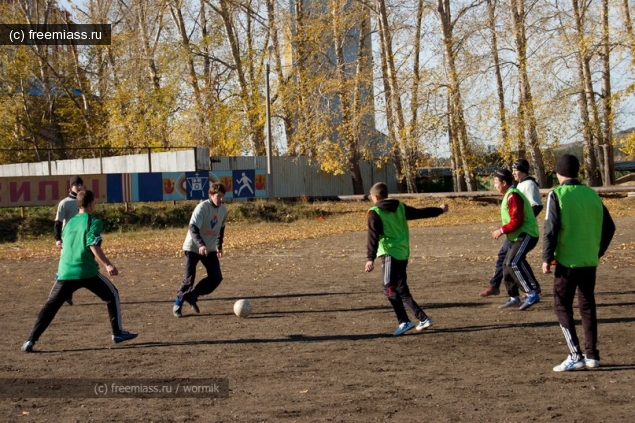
[{"x": 319, "y": 347}]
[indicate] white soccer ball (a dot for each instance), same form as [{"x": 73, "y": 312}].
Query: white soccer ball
[
  {"x": 242, "y": 308},
  {"x": 236, "y": 191}
]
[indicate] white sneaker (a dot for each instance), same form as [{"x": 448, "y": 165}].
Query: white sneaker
[
  {"x": 403, "y": 328},
  {"x": 424, "y": 324},
  {"x": 590, "y": 363},
  {"x": 177, "y": 310},
  {"x": 27, "y": 346},
  {"x": 569, "y": 364}
]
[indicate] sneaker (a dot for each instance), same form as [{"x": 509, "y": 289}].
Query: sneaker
[
  {"x": 529, "y": 301},
  {"x": 538, "y": 291},
  {"x": 69, "y": 301},
  {"x": 176, "y": 310},
  {"x": 424, "y": 324},
  {"x": 569, "y": 364},
  {"x": 490, "y": 290},
  {"x": 124, "y": 335},
  {"x": 27, "y": 346},
  {"x": 512, "y": 302},
  {"x": 194, "y": 306},
  {"x": 403, "y": 328},
  {"x": 590, "y": 363}
]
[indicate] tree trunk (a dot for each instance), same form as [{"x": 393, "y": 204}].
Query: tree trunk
[
  {"x": 587, "y": 99},
  {"x": 526, "y": 105},
  {"x": 628, "y": 25},
  {"x": 608, "y": 176},
  {"x": 179, "y": 22},
  {"x": 457, "y": 114},
  {"x": 397, "y": 156},
  {"x": 346, "y": 130},
  {"x": 502, "y": 110},
  {"x": 286, "y": 103},
  {"x": 256, "y": 125},
  {"x": 391, "y": 74}
]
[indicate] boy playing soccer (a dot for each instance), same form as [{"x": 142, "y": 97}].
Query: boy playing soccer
[
  {"x": 204, "y": 243},
  {"x": 78, "y": 268},
  {"x": 389, "y": 238}
]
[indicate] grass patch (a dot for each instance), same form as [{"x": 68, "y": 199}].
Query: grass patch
[{"x": 38, "y": 221}]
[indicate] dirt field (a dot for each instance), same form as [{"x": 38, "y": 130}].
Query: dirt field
[{"x": 319, "y": 347}]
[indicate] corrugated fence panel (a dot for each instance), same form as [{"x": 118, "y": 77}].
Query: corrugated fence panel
[
  {"x": 77, "y": 167},
  {"x": 371, "y": 174},
  {"x": 171, "y": 161},
  {"x": 177, "y": 161},
  {"x": 126, "y": 164},
  {"x": 297, "y": 177},
  {"x": 292, "y": 176}
]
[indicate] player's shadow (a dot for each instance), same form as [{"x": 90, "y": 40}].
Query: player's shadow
[
  {"x": 288, "y": 338},
  {"x": 436, "y": 331},
  {"x": 453, "y": 305},
  {"x": 616, "y": 304},
  {"x": 255, "y": 297},
  {"x": 613, "y": 367},
  {"x": 615, "y": 293},
  {"x": 554, "y": 323},
  {"x": 279, "y": 314}
]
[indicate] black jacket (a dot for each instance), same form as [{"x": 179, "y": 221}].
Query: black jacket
[
  {"x": 376, "y": 227},
  {"x": 552, "y": 226}
]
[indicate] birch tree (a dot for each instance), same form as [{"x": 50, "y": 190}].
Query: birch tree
[
  {"x": 527, "y": 116},
  {"x": 456, "y": 113},
  {"x": 500, "y": 90},
  {"x": 608, "y": 174}
]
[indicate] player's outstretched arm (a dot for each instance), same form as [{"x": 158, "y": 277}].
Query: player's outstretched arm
[{"x": 413, "y": 213}]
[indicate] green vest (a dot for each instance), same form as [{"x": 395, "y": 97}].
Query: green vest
[
  {"x": 77, "y": 260},
  {"x": 530, "y": 226},
  {"x": 581, "y": 216},
  {"x": 395, "y": 241}
]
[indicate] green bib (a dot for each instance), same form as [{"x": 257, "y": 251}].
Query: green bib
[
  {"x": 581, "y": 216},
  {"x": 530, "y": 225},
  {"x": 395, "y": 241}
]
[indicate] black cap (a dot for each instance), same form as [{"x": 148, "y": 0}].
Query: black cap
[
  {"x": 521, "y": 165},
  {"x": 504, "y": 175},
  {"x": 568, "y": 166},
  {"x": 76, "y": 180}
]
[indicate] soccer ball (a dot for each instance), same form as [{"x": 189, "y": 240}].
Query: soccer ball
[
  {"x": 236, "y": 191},
  {"x": 242, "y": 308}
]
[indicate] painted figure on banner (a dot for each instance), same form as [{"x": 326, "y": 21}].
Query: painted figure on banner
[
  {"x": 244, "y": 182},
  {"x": 197, "y": 183}
]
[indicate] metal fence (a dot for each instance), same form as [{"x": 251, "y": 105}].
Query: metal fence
[
  {"x": 184, "y": 160},
  {"x": 298, "y": 176},
  {"x": 292, "y": 177}
]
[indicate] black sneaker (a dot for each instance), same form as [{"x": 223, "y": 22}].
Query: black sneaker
[
  {"x": 124, "y": 335},
  {"x": 194, "y": 306}
]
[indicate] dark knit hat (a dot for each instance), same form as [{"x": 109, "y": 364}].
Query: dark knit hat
[
  {"x": 504, "y": 175},
  {"x": 521, "y": 165},
  {"x": 76, "y": 180},
  {"x": 568, "y": 166}
]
